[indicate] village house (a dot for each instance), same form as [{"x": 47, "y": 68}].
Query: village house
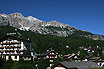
[
  {"x": 71, "y": 57},
  {"x": 100, "y": 62},
  {"x": 66, "y": 57},
  {"x": 15, "y": 48},
  {"x": 49, "y": 54},
  {"x": 90, "y": 57}
]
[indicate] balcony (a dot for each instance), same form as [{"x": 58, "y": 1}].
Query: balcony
[
  {"x": 9, "y": 54},
  {"x": 52, "y": 57},
  {"x": 52, "y": 54},
  {"x": 18, "y": 42},
  {"x": 2, "y": 47},
  {"x": 2, "y": 50},
  {"x": 11, "y": 50},
  {"x": 12, "y": 47}
]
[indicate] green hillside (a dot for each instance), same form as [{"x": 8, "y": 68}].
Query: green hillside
[{"x": 42, "y": 42}]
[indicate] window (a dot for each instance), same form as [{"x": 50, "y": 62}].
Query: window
[
  {"x": 28, "y": 56},
  {"x": 20, "y": 56},
  {"x": 25, "y": 57},
  {"x": 15, "y": 57},
  {"x": 9, "y": 57}
]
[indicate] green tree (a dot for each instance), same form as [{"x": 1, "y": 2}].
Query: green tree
[
  {"x": 43, "y": 63},
  {"x": 83, "y": 53},
  {"x": 8, "y": 64},
  {"x": 1, "y": 63}
]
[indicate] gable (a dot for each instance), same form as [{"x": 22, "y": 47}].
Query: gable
[
  {"x": 9, "y": 37},
  {"x": 52, "y": 53},
  {"x": 59, "y": 66}
]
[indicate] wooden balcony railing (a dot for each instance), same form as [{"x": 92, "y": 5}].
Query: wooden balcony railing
[
  {"x": 9, "y": 54},
  {"x": 1, "y": 47},
  {"x": 11, "y": 50},
  {"x": 18, "y": 42},
  {"x": 12, "y": 47},
  {"x": 52, "y": 54}
]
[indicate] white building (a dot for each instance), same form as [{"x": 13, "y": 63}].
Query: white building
[{"x": 15, "y": 48}]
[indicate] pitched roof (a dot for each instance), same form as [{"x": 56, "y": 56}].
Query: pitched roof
[
  {"x": 46, "y": 53},
  {"x": 7, "y": 36},
  {"x": 80, "y": 65},
  {"x": 89, "y": 56}
]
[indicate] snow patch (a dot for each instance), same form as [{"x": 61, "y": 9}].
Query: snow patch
[
  {"x": 30, "y": 18},
  {"x": 25, "y": 28},
  {"x": 3, "y": 15}
]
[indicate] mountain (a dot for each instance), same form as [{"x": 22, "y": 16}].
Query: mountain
[
  {"x": 32, "y": 19},
  {"x": 41, "y": 42},
  {"x": 17, "y": 20},
  {"x": 55, "y": 28}
]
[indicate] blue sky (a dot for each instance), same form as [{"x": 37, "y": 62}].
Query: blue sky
[{"x": 82, "y": 14}]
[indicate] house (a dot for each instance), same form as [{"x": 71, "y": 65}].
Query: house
[
  {"x": 90, "y": 57},
  {"x": 75, "y": 65},
  {"x": 66, "y": 57},
  {"x": 71, "y": 57},
  {"x": 100, "y": 62},
  {"x": 50, "y": 54},
  {"x": 15, "y": 48}
]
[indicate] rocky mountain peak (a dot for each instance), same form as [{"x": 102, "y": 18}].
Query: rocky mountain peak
[
  {"x": 33, "y": 19},
  {"x": 3, "y": 15},
  {"x": 56, "y": 28},
  {"x": 16, "y": 15},
  {"x": 57, "y": 24}
]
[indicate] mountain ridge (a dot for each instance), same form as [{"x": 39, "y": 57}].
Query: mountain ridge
[{"x": 35, "y": 25}]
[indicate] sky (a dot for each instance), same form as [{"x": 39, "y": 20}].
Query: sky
[{"x": 82, "y": 14}]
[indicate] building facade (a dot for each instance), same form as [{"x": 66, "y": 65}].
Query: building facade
[
  {"x": 15, "y": 48},
  {"x": 49, "y": 54}
]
